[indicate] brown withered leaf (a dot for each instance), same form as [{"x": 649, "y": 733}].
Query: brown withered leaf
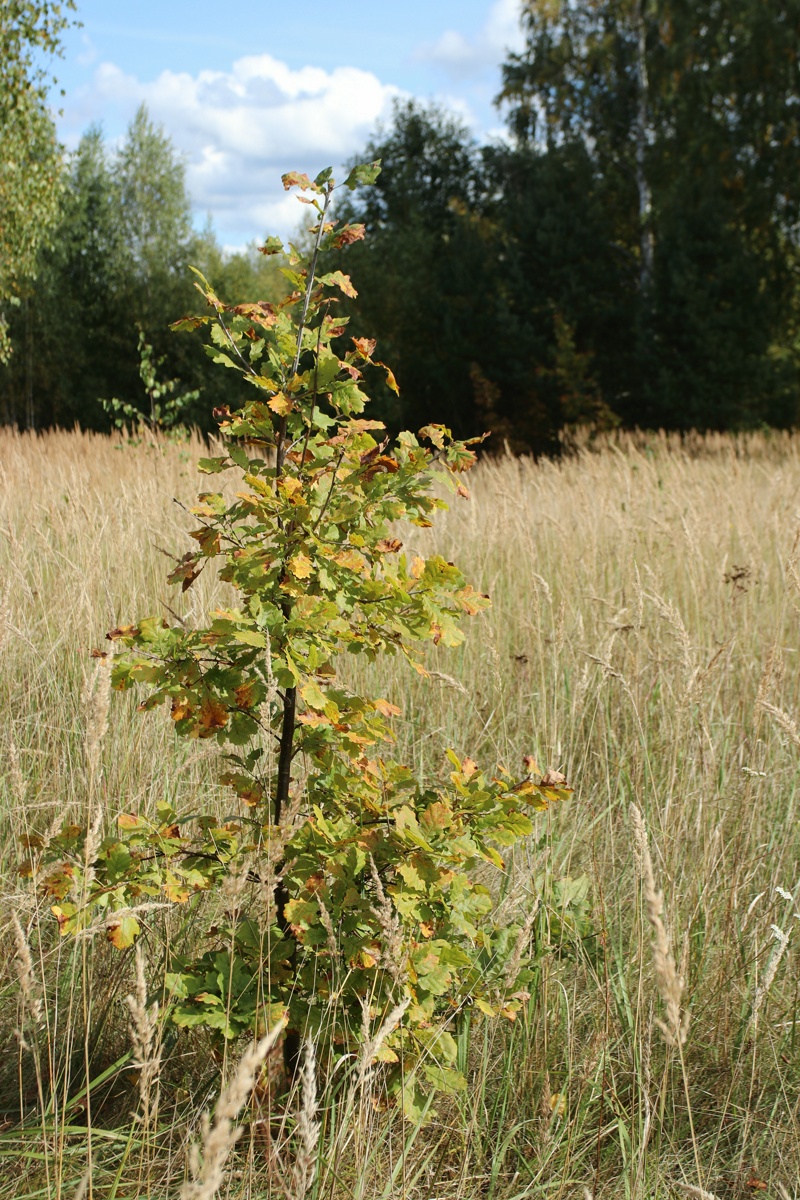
[
  {"x": 365, "y": 346},
  {"x": 185, "y": 573},
  {"x": 553, "y": 778},
  {"x": 180, "y": 710},
  {"x": 382, "y": 466},
  {"x": 348, "y": 235},
  {"x": 208, "y": 539},
  {"x": 297, "y": 179},
  {"x": 386, "y": 709},
  {"x": 388, "y": 546},
  {"x": 261, "y": 313},
  {"x": 468, "y": 768},
  {"x": 213, "y": 715},
  {"x": 370, "y": 455},
  {"x": 123, "y": 631}
]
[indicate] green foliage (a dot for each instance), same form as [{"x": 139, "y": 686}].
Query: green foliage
[
  {"x": 540, "y": 243},
  {"x": 699, "y": 123},
  {"x": 353, "y": 890},
  {"x": 416, "y": 273},
  {"x": 118, "y": 260},
  {"x": 30, "y": 157},
  {"x": 166, "y": 408}
]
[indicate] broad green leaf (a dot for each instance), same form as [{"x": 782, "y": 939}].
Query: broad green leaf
[
  {"x": 251, "y": 637},
  {"x": 313, "y": 695},
  {"x": 363, "y": 175}
]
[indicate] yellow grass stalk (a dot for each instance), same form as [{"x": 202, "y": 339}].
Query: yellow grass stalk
[
  {"x": 221, "y": 1135},
  {"x": 668, "y": 981}
]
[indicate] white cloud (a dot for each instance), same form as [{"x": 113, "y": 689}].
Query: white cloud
[
  {"x": 463, "y": 57},
  {"x": 88, "y": 54},
  {"x": 240, "y": 129}
]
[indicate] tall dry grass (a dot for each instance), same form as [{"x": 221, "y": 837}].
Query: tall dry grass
[{"x": 644, "y": 638}]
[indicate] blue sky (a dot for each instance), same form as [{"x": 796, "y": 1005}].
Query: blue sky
[{"x": 249, "y": 91}]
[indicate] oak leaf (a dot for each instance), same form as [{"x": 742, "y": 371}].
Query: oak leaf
[
  {"x": 297, "y": 179},
  {"x": 213, "y": 715},
  {"x": 348, "y": 235},
  {"x": 122, "y": 933},
  {"x": 181, "y": 709},
  {"x": 390, "y": 379},
  {"x": 365, "y": 346},
  {"x": 301, "y": 565},
  {"x": 280, "y": 404}
]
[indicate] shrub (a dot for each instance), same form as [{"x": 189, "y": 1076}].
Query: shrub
[{"x": 351, "y": 903}]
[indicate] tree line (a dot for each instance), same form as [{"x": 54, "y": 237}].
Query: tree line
[
  {"x": 626, "y": 254},
  {"x": 117, "y": 261}
]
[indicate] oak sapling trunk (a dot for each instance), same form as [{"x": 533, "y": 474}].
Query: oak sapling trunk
[
  {"x": 291, "y": 1038},
  {"x": 377, "y": 902}
]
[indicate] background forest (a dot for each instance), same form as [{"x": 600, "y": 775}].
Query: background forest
[{"x": 626, "y": 254}]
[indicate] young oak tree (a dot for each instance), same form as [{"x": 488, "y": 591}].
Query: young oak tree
[{"x": 354, "y": 893}]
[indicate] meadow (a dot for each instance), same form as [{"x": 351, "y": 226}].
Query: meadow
[{"x": 643, "y": 638}]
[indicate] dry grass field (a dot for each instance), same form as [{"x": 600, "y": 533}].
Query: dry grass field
[{"x": 645, "y": 639}]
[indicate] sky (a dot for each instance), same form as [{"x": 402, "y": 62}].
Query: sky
[{"x": 248, "y": 91}]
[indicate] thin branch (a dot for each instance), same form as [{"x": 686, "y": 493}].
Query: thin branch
[
  {"x": 324, "y": 508},
  {"x": 280, "y": 452},
  {"x": 247, "y": 366},
  {"x": 314, "y": 393}
]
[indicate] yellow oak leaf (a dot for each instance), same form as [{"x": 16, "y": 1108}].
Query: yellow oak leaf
[
  {"x": 280, "y": 404},
  {"x": 301, "y": 565}
]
